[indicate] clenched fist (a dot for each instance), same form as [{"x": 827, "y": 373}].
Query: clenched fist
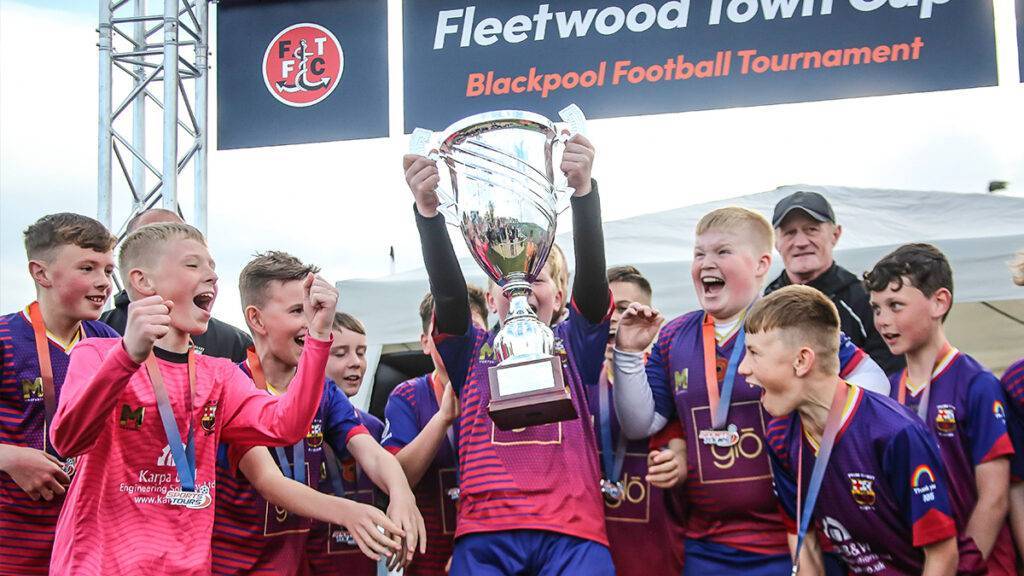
[
  {"x": 577, "y": 162},
  {"x": 319, "y": 305},
  {"x": 422, "y": 177},
  {"x": 149, "y": 319}
]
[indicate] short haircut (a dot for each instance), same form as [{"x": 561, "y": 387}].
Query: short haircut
[
  {"x": 139, "y": 248},
  {"x": 923, "y": 266},
  {"x": 1017, "y": 268},
  {"x": 736, "y": 219},
  {"x": 631, "y": 275},
  {"x": 805, "y": 316},
  {"x": 66, "y": 229},
  {"x": 265, "y": 268},
  {"x": 133, "y": 224},
  {"x": 346, "y": 321},
  {"x": 477, "y": 303}
]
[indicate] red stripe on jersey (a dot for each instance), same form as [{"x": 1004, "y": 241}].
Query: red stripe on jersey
[
  {"x": 1001, "y": 447},
  {"x": 933, "y": 527}
]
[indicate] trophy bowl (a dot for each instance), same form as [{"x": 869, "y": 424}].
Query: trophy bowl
[{"x": 502, "y": 186}]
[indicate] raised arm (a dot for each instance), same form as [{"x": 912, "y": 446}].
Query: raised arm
[
  {"x": 590, "y": 284},
  {"x": 634, "y": 398}
]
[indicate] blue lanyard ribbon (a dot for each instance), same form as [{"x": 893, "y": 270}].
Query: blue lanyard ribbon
[
  {"x": 297, "y": 471},
  {"x": 828, "y": 440},
  {"x": 722, "y": 412},
  {"x": 184, "y": 453},
  {"x": 611, "y": 459}
]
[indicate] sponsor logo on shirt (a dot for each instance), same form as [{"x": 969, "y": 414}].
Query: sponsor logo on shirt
[
  {"x": 32, "y": 390},
  {"x": 945, "y": 419},
  {"x": 858, "y": 555},
  {"x": 209, "y": 419},
  {"x": 923, "y": 483},
  {"x": 131, "y": 418},
  {"x": 682, "y": 378},
  {"x": 998, "y": 410},
  {"x": 862, "y": 488},
  {"x": 166, "y": 459}
]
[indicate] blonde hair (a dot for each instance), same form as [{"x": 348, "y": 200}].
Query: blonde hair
[
  {"x": 736, "y": 219},
  {"x": 139, "y": 248},
  {"x": 805, "y": 316},
  {"x": 1017, "y": 268}
]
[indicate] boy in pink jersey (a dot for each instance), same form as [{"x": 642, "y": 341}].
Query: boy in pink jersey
[
  {"x": 733, "y": 523},
  {"x": 255, "y": 530},
  {"x": 145, "y": 414},
  {"x": 962, "y": 403},
  {"x": 70, "y": 261},
  {"x": 530, "y": 500}
]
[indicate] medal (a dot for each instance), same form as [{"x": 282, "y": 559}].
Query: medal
[
  {"x": 191, "y": 499},
  {"x": 613, "y": 492},
  {"x": 454, "y": 493},
  {"x": 722, "y": 438}
]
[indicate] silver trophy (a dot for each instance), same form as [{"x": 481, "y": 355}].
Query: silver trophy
[{"x": 502, "y": 186}]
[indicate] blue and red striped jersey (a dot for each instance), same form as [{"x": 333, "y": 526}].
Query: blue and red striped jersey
[{"x": 27, "y": 526}]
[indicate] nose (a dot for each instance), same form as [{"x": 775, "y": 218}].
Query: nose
[{"x": 744, "y": 367}]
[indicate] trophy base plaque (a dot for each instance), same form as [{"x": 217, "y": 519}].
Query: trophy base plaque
[{"x": 529, "y": 393}]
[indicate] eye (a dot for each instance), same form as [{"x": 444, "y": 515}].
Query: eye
[{"x": 86, "y": 268}]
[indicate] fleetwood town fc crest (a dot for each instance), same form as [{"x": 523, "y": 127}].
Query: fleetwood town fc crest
[{"x": 303, "y": 64}]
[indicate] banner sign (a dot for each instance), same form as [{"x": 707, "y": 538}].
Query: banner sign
[
  {"x": 298, "y": 71},
  {"x": 623, "y": 59}
]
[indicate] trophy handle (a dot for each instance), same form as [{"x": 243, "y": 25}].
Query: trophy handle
[
  {"x": 419, "y": 143},
  {"x": 574, "y": 122}
]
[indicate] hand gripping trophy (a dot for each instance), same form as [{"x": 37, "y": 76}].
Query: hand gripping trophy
[{"x": 500, "y": 185}]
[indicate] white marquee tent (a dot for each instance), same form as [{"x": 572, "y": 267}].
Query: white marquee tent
[{"x": 979, "y": 233}]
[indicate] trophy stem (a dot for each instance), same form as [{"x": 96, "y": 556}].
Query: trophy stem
[{"x": 518, "y": 293}]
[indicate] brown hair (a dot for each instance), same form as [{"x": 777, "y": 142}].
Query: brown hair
[
  {"x": 267, "y": 267},
  {"x": 805, "y": 316},
  {"x": 55, "y": 230},
  {"x": 631, "y": 275},
  {"x": 736, "y": 219},
  {"x": 923, "y": 266},
  {"x": 477, "y": 303},
  {"x": 139, "y": 248},
  {"x": 346, "y": 321}
]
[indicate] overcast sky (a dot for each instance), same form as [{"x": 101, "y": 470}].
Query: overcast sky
[{"x": 342, "y": 205}]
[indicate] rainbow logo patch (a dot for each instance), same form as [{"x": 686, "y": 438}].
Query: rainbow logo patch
[
  {"x": 923, "y": 475},
  {"x": 998, "y": 410}
]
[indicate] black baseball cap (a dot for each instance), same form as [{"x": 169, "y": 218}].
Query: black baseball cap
[{"x": 812, "y": 203}]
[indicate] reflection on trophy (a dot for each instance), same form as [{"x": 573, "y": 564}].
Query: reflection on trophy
[{"x": 504, "y": 190}]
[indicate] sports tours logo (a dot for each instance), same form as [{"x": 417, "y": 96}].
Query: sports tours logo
[{"x": 303, "y": 64}]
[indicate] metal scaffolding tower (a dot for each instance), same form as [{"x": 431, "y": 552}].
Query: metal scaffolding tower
[{"x": 168, "y": 50}]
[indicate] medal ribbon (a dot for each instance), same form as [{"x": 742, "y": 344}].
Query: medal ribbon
[
  {"x": 611, "y": 461},
  {"x": 297, "y": 470},
  {"x": 184, "y": 453},
  {"x": 45, "y": 372},
  {"x": 922, "y": 406},
  {"x": 720, "y": 407},
  {"x": 805, "y": 510},
  {"x": 438, "y": 389}
]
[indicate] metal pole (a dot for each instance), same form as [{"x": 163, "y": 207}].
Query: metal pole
[
  {"x": 139, "y": 107},
  {"x": 169, "y": 190},
  {"x": 202, "y": 64},
  {"x": 104, "y": 204}
]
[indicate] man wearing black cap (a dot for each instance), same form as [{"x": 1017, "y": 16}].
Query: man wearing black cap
[{"x": 806, "y": 232}]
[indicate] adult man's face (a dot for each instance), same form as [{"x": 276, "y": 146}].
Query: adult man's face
[{"x": 806, "y": 245}]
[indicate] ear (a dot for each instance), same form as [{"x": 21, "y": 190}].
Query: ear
[
  {"x": 254, "y": 318},
  {"x": 942, "y": 301},
  {"x": 38, "y": 270},
  {"x": 559, "y": 298},
  {"x": 803, "y": 364},
  {"x": 425, "y": 343},
  {"x": 837, "y": 232},
  {"x": 140, "y": 283},
  {"x": 492, "y": 305},
  {"x": 763, "y": 264}
]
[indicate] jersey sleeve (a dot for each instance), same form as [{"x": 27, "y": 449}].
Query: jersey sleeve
[
  {"x": 588, "y": 342},
  {"x": 341, "y": 423},
  {"x": 917, "y": 478},
  {"x": 658, "y": 378},
  {"x": 849, "y": 355},
  {"x": 986, "y": 426},
  {"x": 457, "y": 353},
  {"x": 1013, "y": 384},
  {"x": 1013, "y": 387},
  {"x": 254, "y": 417},
  {"x": 400, "y": 425}
]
